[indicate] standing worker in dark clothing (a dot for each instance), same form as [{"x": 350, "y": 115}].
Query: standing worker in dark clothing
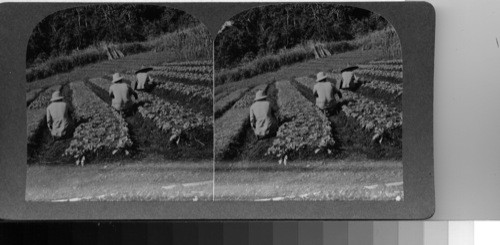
[
  {"x": 263, "y": 116},
  {"x": 325, "y": 92}
]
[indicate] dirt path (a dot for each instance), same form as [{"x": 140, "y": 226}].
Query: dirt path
[
  {"x": 145, "y": 181},
  {"x": 340, "y": 180}
]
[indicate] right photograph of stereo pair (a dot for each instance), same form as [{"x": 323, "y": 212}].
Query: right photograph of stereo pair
[{"x": 308, "y": 105}]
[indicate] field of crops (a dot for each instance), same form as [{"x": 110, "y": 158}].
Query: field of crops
[
  {"x": 172, "y": 121},
  {"x": 367, "y": 125}
]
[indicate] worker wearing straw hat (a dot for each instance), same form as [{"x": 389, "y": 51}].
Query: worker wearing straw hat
[
  {"x": 325, "y": 92},
  {"x": 58, "y": 116},
  {"x": 121, "y": 94},
  {"x": 349, "y": 79},
  {"x": 262, "y": 116},
  {"x": 143, "y": 79}
]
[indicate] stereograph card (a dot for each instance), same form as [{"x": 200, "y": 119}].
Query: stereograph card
[{"x": 217, "y": 111}]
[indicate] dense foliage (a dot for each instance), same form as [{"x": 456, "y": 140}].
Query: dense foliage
[
  {"x": 373, "y": 116},
  {"x": 306, "y": 128},
  {"x": 181, "y": 68},
  {"x": 169, "y": 117},
  {"x": 265, "y": 30},
  {"x": 205, "y": 78},
  {"x": 225, "y": 102},
  {"x": 103, "y": 130},
  {"x": 43, "y": 99},
  {"x": 380, "y": 73},
  {"x": 190, "y": 63},
  {"x": 81, "y": 27},
  {"x": 191, "y": 90}
]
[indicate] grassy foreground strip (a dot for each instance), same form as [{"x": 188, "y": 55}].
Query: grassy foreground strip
[
  {"x": 102, "y": 130},
  {"x": 231, "y": 125},
  {"x": 305, "y": 127}
]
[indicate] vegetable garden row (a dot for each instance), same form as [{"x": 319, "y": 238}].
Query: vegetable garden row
[
  {"x": 103, "y": 133},
  {"x": 369, "y": 121},
  {"x": 191, "y": 69}
]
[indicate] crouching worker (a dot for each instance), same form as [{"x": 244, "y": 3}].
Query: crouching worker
[
  {"x": 143, "y": 80},
  {"x": 349, "y": 79},
  {"x": 263, "y": 117},
  {"x": 325, "y": 92},
  {"x": 121, "y": 94},
  {"x": 59, "y": 116}
]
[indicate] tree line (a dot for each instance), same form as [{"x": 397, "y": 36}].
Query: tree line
[
  {"x": 81, "y": 27},
  {"x": 265, "y": 30}
]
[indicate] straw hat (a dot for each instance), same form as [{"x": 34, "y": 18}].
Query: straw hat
[
  {"x": 321, "y": 76},
  {"x": 56, "y": 96},
  {"x": 350, "y": 68},
  {"x": 144, "y": 69},
  {"x": 260, "y": 95},
  {"x": 116, "y": 78}
]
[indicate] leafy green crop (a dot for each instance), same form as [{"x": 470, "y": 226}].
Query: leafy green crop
[
  {"x": 247, "y": 100},
  {"x": 188, "y": 90},
  {"x": 192, "y": 69},
  {"x": 190, "y": 63},
  {"x": 171, "y": 117},
  {"x": 392, "y": 88},
  {"x": 207, "y": 78},
  {"x": 227, "y": 101},
  {"x": 392, "y": 62},
  {"x": 397, "y": 74},
  {"x": 167, "y": 116},
  {"x": 308, "y": 128},
  {"x": 388, "y": 67},
  {"x": 43, "y": 99},
  {"x": 371, "y": 115},
  {"x": 102, "y": 129}
]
